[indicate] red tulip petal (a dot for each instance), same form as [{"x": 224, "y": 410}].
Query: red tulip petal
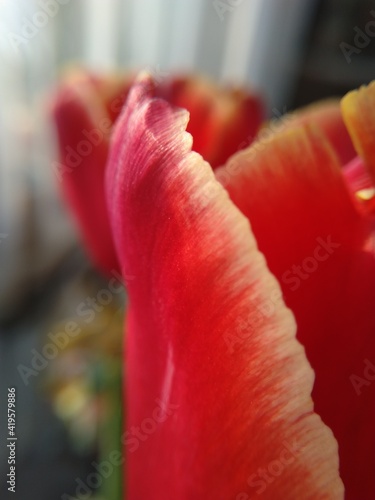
[
  {"x": 321, "y": 248},
  {"x": 209, "y": 338},
  {"x": 83, "y": 127},
  {"x": 327, "y": 116},
  {"x": 113, "y": 91},
  {"x": 222, "y": 120}
]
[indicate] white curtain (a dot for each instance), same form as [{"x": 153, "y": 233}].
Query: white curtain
[{"x": 254, "y": 42}]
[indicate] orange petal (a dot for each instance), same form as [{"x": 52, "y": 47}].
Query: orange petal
[
  {"x": 358, "y": 109},
  {"x": 326, "y": 115},
  {"x": 320, "y": 246}
]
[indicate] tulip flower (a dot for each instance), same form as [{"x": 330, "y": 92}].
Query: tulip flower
[
  {"x": 85, "y": 107},
  {"x": 243, "y": 277}
]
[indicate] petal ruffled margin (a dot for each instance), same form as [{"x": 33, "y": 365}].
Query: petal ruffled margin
[
  {"x": 206, "y": 418},
  {"x": 223, "y": 120},
  {"x": 319, "y": 243}
]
